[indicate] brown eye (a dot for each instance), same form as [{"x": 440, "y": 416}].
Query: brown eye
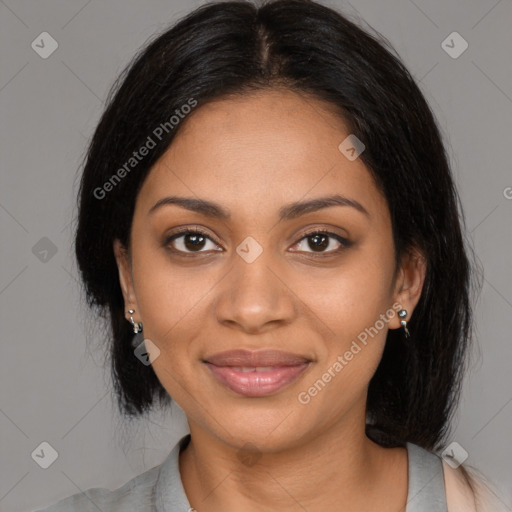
[
  {"x": 190, "y": 241},
  {"x": 320, "y": 241}
]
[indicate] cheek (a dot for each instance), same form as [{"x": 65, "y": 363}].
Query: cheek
[
  {"x": 350, "y": 298},
  {"x": 354, "y": 343},
  {"x": 167, "y": 295},
  {"x": 353, "y": 305},
  {"x": 169, "y": 304}
]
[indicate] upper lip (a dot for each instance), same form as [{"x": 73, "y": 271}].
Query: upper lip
[{"x": 248, "y": 359}]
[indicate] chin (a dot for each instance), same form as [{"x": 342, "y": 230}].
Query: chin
[{"x": 270, "y": 433}]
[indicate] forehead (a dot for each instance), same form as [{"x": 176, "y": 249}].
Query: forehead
[{"x": 260, "y": 151}]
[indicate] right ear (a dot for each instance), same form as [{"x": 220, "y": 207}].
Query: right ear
[{"x": 125, "y": 275}]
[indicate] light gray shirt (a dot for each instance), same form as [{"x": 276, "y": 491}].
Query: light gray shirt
[{"x": 160, "y": 488}]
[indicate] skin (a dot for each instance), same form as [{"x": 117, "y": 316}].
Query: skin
[{"x": 253, "y": 155}]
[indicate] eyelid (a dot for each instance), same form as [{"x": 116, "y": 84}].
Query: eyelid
[
  {"x": 321, "y": 230},
  {"x": 345, "y": 243},
  {"x": 189, "y": 229},
  {"x": 181, "y": 231}
]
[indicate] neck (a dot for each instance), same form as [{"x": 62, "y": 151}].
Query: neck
[{"x": 345, "y": 464}]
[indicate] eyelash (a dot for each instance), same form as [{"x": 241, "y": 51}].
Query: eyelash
[{"x": 345, "y": 244}]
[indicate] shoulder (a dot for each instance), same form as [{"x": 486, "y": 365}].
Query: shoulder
[
  {"x": 459, "y": 493},
  {"x": 134, "y": 495},
  {"x": 466, "y": 491}
]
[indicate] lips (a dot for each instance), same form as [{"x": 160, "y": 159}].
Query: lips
[
  {"x": 256, "y": 374},
  {"x": 248, "y": 359}
]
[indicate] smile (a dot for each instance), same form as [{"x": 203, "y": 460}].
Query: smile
[{"x": 256, "y": 381}]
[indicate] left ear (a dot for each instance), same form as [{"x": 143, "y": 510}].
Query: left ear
[{"x": 409, "y": 284}]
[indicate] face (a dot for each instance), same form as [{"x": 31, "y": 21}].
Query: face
[{"x": 262, "y": 270}]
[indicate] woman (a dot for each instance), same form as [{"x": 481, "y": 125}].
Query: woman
[{"x": 268, "y": 217}]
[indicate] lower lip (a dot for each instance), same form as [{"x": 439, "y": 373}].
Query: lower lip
[{"x": 258, "y": 383}]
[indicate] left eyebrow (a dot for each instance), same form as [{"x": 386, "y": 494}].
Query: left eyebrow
[
  {"x": 287, "y": 212},
  {"x": 294, "y": 210}
]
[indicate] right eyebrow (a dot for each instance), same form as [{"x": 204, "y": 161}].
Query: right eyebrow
[{"x": 201, "y": 206}]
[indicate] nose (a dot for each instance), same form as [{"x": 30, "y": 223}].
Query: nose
[{"x": 254, "y": 297}]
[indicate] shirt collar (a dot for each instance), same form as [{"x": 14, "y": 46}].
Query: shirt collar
[{"x": 169, "y": 492}]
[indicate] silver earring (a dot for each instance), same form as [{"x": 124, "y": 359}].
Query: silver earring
[
  {"x": 137, "y": 326},
  {"x": 402, "y": 314}
]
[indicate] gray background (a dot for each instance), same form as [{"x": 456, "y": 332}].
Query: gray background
[{"x": 53, "y": 388}]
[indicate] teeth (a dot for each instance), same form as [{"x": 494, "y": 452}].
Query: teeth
[{"x": 253, "y": 369}]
